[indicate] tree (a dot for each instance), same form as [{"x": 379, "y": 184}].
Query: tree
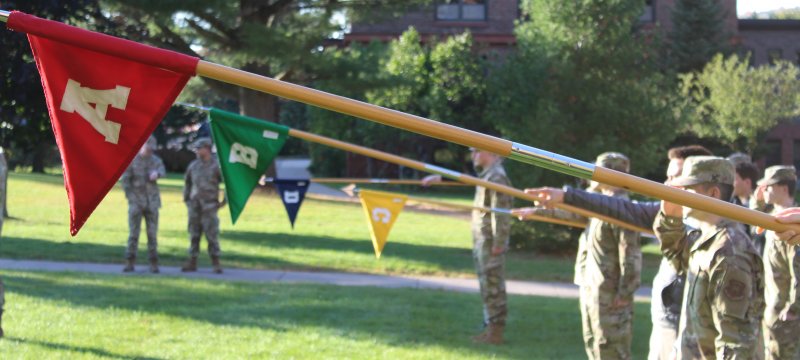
[
  {"x": 276, "y": 38},
  {"x": 26, "y": 132},
  {"x": 582, "y": 82},
  {"x": 442, "y": 80},
  {"x": 739, "y": 104},
  {"x": 698, "y": 33}
]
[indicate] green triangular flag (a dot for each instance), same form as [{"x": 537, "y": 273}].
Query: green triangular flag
[{"x": 245, "y": 146}]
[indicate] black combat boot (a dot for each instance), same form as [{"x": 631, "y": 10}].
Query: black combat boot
[
  {"x": 217, "y": 266},
  {"x": 191, "y": 265},
  {"x": 129, "y": 265}
]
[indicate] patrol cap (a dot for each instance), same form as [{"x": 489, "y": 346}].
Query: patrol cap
[
  {"x": 778, "y": 173},
  {"x": 705, "y": 170},
  {"x": 201, "y": 142},
  {"x": 614, "y": 161},
  {"x": 738, "y": 158}
]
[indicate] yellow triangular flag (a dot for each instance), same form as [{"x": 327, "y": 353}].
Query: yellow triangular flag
[{"x": 381, "y": 209}]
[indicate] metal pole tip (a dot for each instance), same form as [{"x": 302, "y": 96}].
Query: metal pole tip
[{"x": 4, "y": 15}]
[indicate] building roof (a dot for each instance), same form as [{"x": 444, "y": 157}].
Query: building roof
[{"x": 768, "y": 24}]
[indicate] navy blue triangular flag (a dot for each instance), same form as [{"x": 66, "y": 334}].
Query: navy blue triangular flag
[{"x": 292, "y": 193}]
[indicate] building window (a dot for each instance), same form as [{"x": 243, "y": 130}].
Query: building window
[
  {"x": 649, "y": 14},
  {"x": 773, "y": 55},
  {"x": 461, "y": 10}
]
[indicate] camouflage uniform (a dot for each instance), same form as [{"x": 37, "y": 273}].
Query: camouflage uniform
[
  {"x": 781, "y": 285},
  {"x": 612, "y": 270},
  {"x": 144, "y": 200},
  {"x": 490, "y": 229},
  {"x": 201, "y": 195},
  {"x": 722, "y": 302},
  {"x": 667, "y": 291}
]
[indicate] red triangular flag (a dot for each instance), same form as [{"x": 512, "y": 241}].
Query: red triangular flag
[{"x": 102, "y": 106}]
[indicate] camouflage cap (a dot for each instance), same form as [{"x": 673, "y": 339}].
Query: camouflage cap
[
  {"x": 738, "y": 158},
  {"x": 705, "y": 170},
  {"x": 778, "y": 173},
  {"x": 201, "y": 142},
  {"x": 614, "y": 161}
]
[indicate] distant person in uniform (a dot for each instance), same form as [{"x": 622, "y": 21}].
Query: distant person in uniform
[
  {"x": 201, "y": 195},
  {"x": 144, "y": 200}
]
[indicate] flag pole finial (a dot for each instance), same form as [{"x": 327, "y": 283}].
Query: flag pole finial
[{"x": 4, "y": 15}]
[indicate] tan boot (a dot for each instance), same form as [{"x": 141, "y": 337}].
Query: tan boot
[
  {"x": 190, "y": 266},
  {"x": 154, "y": 265},
  {"x": 493, "y": 335},
  {"x": 129, "y": 265},
  {"x": 217, "y": 266}
]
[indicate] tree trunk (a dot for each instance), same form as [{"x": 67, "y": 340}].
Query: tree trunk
[{"x": 258, "y": 105}]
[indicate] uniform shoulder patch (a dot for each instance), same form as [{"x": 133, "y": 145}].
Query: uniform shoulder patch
[{"x": 734, "y": 289}]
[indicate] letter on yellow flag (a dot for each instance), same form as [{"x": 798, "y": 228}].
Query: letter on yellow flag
[{"x": 382, "y": 209}]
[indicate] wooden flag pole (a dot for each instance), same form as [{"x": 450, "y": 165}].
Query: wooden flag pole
[
  {"x": 381, "y": 181},
  {"x": 495, "y": 210},
  {"x": 450, "y": 174},
  {"x": 420, "y": 125},
  {"x": 505, "y": 148}
]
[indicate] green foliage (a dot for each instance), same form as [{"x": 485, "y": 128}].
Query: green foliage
[
  {"x": 443, "y": 80},
  {"x": 582, "y": 83},
  {"x": 785, "y": 14},
  {"x": 698, "y": 33},
  {"x": 739, "y": 104},
  {"x": 283, "y": 39}
]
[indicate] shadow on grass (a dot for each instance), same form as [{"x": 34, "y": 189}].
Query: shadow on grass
[
  {"x": 389, "y": 316},
  {"x": 80, "y": 349},
  {"x": 448, "y": 258}
]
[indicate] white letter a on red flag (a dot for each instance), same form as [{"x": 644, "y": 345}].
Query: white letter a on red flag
[{"x": 102, "y": 108}]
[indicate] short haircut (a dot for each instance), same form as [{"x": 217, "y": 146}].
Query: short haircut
[
  {"x": 790, "y": 185},
  {"x": 683, "y": 152},
  {"x": 747, "y": 170},
  {"x": 725, "y": 190}
]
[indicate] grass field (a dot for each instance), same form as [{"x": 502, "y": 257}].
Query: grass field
[
  {"x": 328, "y": 236},
  {"x": 87, "y": 316}
]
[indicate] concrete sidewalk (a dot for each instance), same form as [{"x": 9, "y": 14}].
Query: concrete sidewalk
[{"x": 530, "y": 288}]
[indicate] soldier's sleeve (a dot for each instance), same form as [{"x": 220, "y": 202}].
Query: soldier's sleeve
[
  {"x": 794, "y": 270},
  {"x": 732, "y": 285},
  {"x": 162, "y": 171},
  {"x": 125, "y": 179},
  {"x": 187, "y": 184},
  {"x": 559, "y": 214},
  {"x": 224, "y": 194},
  {"x": 671, "y": 232},
  {"x": 641, "y": 214},
  {"x": 501, "y": 223},
  {"x": 630, "y": 258}
]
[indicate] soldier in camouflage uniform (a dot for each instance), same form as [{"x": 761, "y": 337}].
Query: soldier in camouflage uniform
[
  {"x": 144, "y": 200},
  {"x": 201, "y": 195},
  {"x": 607, "y": 269},
  {"x": 781, "y": 271},
  {"x": 667, "y": 291},
  {"x": 490, "y": 234},
  {"x": 3, "y": 182},
  {"x": 722, "y": 301}
]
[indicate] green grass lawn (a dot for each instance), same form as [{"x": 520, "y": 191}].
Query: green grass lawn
[
  {"x": 89, "y": 316},
  {"x": 328, "y": 235}
]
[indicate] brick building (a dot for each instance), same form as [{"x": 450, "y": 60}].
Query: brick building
[{"x": 492, "y": 24}]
